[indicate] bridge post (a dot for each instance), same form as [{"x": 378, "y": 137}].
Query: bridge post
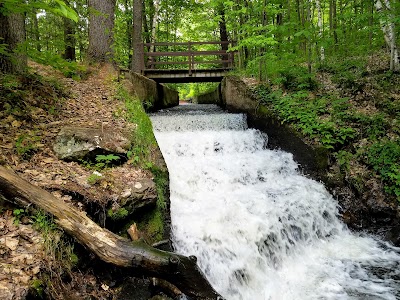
[{"x": 190, "y": 58}]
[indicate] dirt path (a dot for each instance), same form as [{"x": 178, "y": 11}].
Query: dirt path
[{"x": 27, "y": 133}]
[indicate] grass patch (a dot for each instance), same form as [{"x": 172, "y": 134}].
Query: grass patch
[
  {"x": 142, "y": 138},
  {"x": 142, "y": 155}
]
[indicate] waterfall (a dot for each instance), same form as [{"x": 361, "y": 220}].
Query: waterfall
[{"x": 259, "y": 228}]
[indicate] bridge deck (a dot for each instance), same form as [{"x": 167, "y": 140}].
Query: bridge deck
[{"x": 185, "y": 76}]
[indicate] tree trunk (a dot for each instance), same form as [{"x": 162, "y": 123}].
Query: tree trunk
[
  {"x": 101, "y": 26},
  {"x": 69, "y": 40},
  {"x": 334, "y": 23},
  {"x": 223, "y": 33},
  {"x": 154, "y": 24},
  {"x": 12, "y": 33},
  {"x": 389, "y": 33},
  {"x": 145, "y": 25},
  {"x": 320, "y": 29},
  {"x": 129, "y": 28},
  {"x": 137, "y": 59},
  {"x": 36, "y": 34},
  {"x": 180, "y": 270}
]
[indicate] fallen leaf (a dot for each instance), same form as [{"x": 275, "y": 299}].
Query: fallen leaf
[
  {"x": 16, "y": 124},
  {"x": 11, "y": 243},
  {"x": 32, "y": 172},
  {"x": 48, "y": 160}
]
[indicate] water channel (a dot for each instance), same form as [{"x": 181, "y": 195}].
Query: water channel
[{"x": 259, "y": 228}]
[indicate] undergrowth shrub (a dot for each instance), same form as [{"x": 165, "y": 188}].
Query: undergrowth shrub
[
  {"x": 297, "y": 79},
  {"x": 319, "y": 118},
  {"x": 384, "y": 157}
]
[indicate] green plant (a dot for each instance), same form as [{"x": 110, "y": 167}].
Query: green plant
[
  {"x": 296, "y": 78},
  {"x": 142, "y": 137},
  {"x": 344, "y": 158},
  {"x": 43, "y": 222},
  {"x": 18, "y": 213},
  {"x": 308, "y": 115},
  {"x": 37, "y": 286},
  {"x": 384, "y": 158},
  {"x": 26, "y": 145},
  {"x": 118, "y": 214},
  {"x": 104, "y": 161},
  {"x": 93, "y": 178}
]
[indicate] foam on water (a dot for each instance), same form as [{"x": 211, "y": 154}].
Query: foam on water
[{"x": 259, "y": 229}]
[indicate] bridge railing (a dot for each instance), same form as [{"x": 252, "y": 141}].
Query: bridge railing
[{"x": 190, "y": 56}]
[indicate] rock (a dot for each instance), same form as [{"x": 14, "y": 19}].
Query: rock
[
  {"x": 134, "y": 196},
  {"x": 160, "y": 297},
  {"x": 394, "y": 235},
  {"x": 74, "y": 143}
]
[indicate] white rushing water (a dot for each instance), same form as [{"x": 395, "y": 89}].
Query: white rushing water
[{"x": 259, "y": 229}]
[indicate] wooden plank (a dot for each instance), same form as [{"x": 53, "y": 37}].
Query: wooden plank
[
  {"x": 187, "y": 43},
  {"x": 186, "y": 62},
  {"x": 186, "y": 53}
]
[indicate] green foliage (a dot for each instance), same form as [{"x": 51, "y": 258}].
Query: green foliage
[
  {"x": 384, "y": 157},
  {"x": 372, "y": 126},
  {"x": 18, "y": 213},
  {"x": 56, "y": 7},
  {"x": 297, "y": 79},
  {"x": 70, "y": 69},
  {"x": 142, "y": 138},
  {"x": 38, "y": 286},
  {"x": 344, "y": 158},
  {"x": 26, "y": 145},
  {"x": 119, "y": 214},
  {"x": 104, "y": 161},
  {"x": 43, "y": 222},
  {"x": 189, "y": 90},
  {"x": 309, "y": 115},
  {"x": 93, "y": 178}
]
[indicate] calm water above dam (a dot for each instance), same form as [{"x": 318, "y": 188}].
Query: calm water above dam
[{"x": 259, "y": 229}]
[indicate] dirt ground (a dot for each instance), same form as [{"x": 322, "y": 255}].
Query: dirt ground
[{"x": 27, "y": 133}]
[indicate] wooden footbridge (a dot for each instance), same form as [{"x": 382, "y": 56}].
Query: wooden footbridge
[{"x": 187, "y": 61}]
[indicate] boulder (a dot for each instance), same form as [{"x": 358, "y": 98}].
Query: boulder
[
  {"x": 75, "y": 143},
  {"x": 136, "y": 195}
]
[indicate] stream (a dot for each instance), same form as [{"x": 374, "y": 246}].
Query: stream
[{"x": 259, "y": 228}]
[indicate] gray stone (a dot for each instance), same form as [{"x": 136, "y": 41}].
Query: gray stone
[
  {"x": 74, "y": 143},
  {"x": 136, "y": 195}
]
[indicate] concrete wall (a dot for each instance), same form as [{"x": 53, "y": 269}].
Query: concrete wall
[
  {"x": 155, "y": 95},
  {"x": 236, "y": 97},
  {"x": 213, "y": 97}
]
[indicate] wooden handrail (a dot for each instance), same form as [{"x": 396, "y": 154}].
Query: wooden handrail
[
  {"x": 186, "y": 43},
  {"x": 149, "y": 58}
]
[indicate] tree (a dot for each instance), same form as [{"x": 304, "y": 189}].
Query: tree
[
  {"x": 389, "y": 32},
  {"x": 101, "y": 25},
  {"x": 12, "y": 37},
  {"x": 69, "y": 39},
  {"x": 137, "y": 36}
]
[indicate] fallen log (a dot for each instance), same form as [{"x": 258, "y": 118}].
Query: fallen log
[{"x": 180, "y": 270}]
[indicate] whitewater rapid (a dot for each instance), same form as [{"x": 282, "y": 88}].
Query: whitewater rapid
[{"x": 259, "y": 228}]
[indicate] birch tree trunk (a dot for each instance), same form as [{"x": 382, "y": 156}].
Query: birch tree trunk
[
  {"x": 389, "y": 32},
  {"x": 154, "y": 24}
]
